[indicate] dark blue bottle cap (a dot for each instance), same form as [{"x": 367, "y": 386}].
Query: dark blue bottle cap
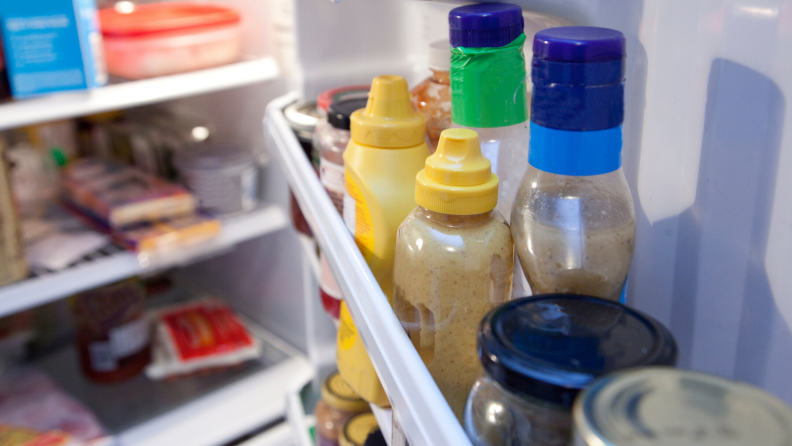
[
  {"x": 579, "y": 44},
  {"x": 550, "y": 347},
  {"x": 578, "y": 78},
  {"x": 485, "y": 25}
]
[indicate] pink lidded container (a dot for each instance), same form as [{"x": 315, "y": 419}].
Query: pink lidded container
[{"x": 157, "y": 39}]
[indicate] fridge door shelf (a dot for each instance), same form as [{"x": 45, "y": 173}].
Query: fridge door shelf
[
  {"x": 112, "y": 263},
  {"x": 424, "y": 415}
]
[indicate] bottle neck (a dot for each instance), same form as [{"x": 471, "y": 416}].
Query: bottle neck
[
  {"x": 456, "y": 221},
  {"x": 575, "y": 153},
  {"x": 441, "y": 77},
  {"x": 488, "y": 87}
]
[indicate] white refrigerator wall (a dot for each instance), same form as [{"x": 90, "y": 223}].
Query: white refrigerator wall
[{"x": 705, "y": 154}]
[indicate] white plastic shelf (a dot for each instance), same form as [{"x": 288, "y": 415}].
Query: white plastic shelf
[
  {"x": 423, "y": 412},
  {"x": 200, "y": 410},
  {"x": 122, "y": 264},
  {"x": 134, "y": 93}
]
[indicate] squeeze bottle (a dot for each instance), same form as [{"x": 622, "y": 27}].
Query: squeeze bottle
[{"x": 387, "y": 149}]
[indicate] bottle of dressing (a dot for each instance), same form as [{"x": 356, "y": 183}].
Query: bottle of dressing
[
  {"x": 454, "y": 260},
  {"x": 573, "y": 221}
]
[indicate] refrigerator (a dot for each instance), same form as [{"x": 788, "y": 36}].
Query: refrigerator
[{"x": 705, "y": 154}]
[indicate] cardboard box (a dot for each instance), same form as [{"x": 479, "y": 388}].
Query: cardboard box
[{"x": 52, "y": 45}]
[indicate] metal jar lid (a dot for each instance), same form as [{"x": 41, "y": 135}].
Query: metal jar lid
[
  {"x": 667, "y": 407},
  {"x": 303, "y": 118}
]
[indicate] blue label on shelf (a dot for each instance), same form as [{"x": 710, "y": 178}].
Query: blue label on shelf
[{"x": 565, "y": 152}]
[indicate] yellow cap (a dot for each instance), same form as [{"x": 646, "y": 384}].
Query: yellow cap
[
  {"x": 388, "y": 121},
  {"x": 357, "y": 429},
  {"x": 337, "y": 394},
  {"x": 458, "y": 180}
]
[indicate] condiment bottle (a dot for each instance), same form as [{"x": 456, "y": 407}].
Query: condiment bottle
[
  {"x": 13, "y": 265},
  {"x": 539, "y": 353},
  {"x": 354, "y": 363},
  {"x": 665, "y": 407},
  {"x": 339, "y": 403},
  {"x": 387, "y": 149},
  {"x": 454, "y": 259},
  {"x": 432, "y": 97},
  {"x": 323, "y": 102},
  {"x": 303, "y": 117},
  {"x": 112, "y": 333},
  {"x": 488, "y": 88},
  {"x": 332, "y": 141},
  {"x": 573, "y": 221}
]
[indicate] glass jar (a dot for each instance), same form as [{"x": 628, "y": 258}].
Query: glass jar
[
  {"x": 538, "y": 353},
  {"x": 358, "y": 429},
  {"x": 665, "y": 407},
  {"x": 573, "y": 221},
  {"x": 113, "y": 334},
  {"x": 339, "y": 403},
  {"x": 303, "y": 118},
  {"x": 323, "y": 102},
  {"x": 432, "y": 97},
  {"x": 454, "y": 259},
  {"x": 332, "y": 140}
]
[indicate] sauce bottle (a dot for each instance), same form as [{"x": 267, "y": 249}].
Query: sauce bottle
[
  {"x": 432, "y": 97},
  {"x": 573, "y": 221},
  {"x": 354, "y": 363},
  {"x": 387, "y": 149},
  {"x": 454, "y": 259},
  {"x": 488, "y": 88}
]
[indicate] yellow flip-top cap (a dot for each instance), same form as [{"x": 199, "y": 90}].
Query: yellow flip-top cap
[
  {"x": 458, "y": 180},
  {"x": 388, "y": 121}
]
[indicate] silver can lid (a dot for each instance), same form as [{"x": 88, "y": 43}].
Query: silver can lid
[{"x": 668, "y": 407}]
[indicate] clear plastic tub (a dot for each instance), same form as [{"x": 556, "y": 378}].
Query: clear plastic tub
[
  {"x": 224, "y": 177},
  {"x": 168, "y": 38}
]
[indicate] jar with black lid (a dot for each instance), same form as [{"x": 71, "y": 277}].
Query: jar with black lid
[{"x": 539, "y": 353}]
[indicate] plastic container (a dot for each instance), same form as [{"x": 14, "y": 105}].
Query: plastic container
[
  {"x": 573, "y": 221},
  {"x": 303, "y": 117},
  {"x": 488, "y": 88},
  {"x": 339, "y": 403},
  {"x": 113, "y": 334},
  {"x": 332, "y": 140},
  {"x": 223, "y": 177},
  {"x": 538, "y": 353},
  {"x": 357, "y": 430},
  {"x": 432, "y": 97},
  {"x": 167, "y": 38},
  {"x": 354, "y": 363},
  {"x": 666, "y": 407},
  {"x": 454, "y": 260},
  {"x": 387, "y": 149}
]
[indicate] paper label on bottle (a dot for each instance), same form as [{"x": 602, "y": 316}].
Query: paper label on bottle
[
  {"x": 130, "y": 338},
  {"x": 332, "y": 176},
  {"x": 101, "y": 356},
  {"x": 358, "y": 218}
]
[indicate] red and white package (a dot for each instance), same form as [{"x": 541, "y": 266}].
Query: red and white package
[{"x": 199, "y": 335}]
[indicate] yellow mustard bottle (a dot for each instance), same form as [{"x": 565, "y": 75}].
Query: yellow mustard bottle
[
  {"x": 386, "y": 150},
  {"x": 354, "y": 364}
]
